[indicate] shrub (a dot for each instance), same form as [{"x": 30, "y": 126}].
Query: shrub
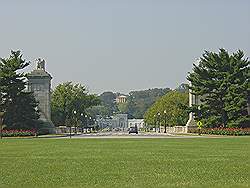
[
  {"x": 224, "y": 131},
  {"x": 18, "y": 133}
]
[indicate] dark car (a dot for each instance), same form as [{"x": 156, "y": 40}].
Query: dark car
[{"x": 133, "y": 130}]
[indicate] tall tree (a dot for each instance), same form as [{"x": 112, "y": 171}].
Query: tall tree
[
  {"x": 20, "y": 106},
  {"x": 138, "y": 102},
  {"x": 172, "y": 108},
  {"x": 222, "y": 81},
  {"x": 22, "y": 113},
  {"x": 67, "y": 98},
  {"x": 237, "y": 97}
]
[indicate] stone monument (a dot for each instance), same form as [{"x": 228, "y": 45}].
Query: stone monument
[
  {"x": 193, "y": 100},
  {"x": 39, "y": 82}
]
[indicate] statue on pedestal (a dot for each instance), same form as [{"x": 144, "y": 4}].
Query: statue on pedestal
[{"x": 40, "y": 64}]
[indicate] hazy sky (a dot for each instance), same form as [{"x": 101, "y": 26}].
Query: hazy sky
[{"x": 122, "y": 45}]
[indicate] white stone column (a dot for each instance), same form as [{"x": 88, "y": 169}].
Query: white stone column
[{"x": 191, "y": 124}]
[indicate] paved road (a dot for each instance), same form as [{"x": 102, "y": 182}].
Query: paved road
[
  {"x": 140, "y": 135},
  {"x": 126, "y": 135}
]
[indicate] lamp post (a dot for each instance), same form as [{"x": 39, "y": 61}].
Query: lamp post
[
  {"x": 90, "y": 122},
  {"x": 165, "y": 121},
  {"x": 100, "y": 123},
  {"x": 159, "y": 116},
  {"x": 86, "y": 118},
  {"x": 75, "y": 113},
  {"x": 1, "y": 124},
  {"x": 155, "y": 120},
  {"x": 81, "y": 122},
  {"x": 94, "y": 124},
  {"x": 199, "y": 118}
]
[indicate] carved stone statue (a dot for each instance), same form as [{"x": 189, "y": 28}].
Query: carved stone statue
[{"x": 40, "y": 64}]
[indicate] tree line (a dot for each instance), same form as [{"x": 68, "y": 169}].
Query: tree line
[
  {"x": 221, "y": 81},
  {"x": 136, "y": 105}
]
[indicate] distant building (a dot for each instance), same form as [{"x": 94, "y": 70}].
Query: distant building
[
  {"x": 121, "y": 99},
  {"x": 117, "y": 121},
  {"x": 139, "y": 123}
]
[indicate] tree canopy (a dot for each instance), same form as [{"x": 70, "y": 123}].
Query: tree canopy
[
  {"x": 222, "y": 81},
  {"x": 140, "y": 101},
  {"x": 19, "y": 105},
  {"x": 108, "y": 103},
  {"x": 173, "y": 106},
  {"x": 67, "y": 98}
]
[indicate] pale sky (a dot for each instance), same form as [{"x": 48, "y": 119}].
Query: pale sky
[{"x": 122, "y": 45}]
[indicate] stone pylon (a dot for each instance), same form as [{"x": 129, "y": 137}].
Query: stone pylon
[{"x": 39, "y": 82}]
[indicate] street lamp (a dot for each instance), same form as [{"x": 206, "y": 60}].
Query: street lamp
[
  {"x": 165, "y": 121},
  {"x": 199, "y": 118},
  {"x": 159, "y": 116},
  {"x": 81, "y": 122},
  {"x": 75, "y": 120},
  {"x": 94, "y": 124},
  {"x": 90, "y": 123},
  {"x": 86, "y": 118},
  {"x": 155, "y": 121}
]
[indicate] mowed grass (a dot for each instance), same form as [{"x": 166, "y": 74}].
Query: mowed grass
[{"x": 196, "y": 162}]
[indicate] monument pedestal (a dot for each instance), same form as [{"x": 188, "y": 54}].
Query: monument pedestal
[{"x": 39, "y": 82}]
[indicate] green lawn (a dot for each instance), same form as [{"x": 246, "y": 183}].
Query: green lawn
[{"x": 196, "y": 162}]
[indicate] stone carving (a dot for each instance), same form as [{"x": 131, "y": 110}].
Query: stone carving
[{"x": 40, "y": 64}]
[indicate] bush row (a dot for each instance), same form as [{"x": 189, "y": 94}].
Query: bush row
[
  {"x": 17, "y": 133},
  {"x": 224, "y": 131}
]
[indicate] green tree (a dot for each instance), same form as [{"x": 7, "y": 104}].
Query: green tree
[
  {"x": 26, "y": 116},
  {"x": 172, "y": 107},
  {"x": 98, "y": 110},
  {"x": 137, "y": 103},
  {"x": 123, "y": 108},
  {"x": 223, "y": 82},
  {"x": 19, "y": 105},
  {"x": 108, "y": 101},
  {"x": 67, "y": 98}
]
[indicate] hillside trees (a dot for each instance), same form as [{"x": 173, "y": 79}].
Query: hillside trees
[
  {"x": 108, "y": 103},
  {"x": 223, "y": 82},
  {"x": 140, "y": 101}
]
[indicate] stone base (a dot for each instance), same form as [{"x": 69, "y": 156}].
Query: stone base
[
  {"x": 191, "y": 129},
  {"x": 191, "y": 122},
  {"x": 46, "y": 127},
  {"x": 191, "y": 125}
]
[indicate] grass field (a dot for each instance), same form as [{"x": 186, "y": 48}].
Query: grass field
[{"x": 196, "y": 162}]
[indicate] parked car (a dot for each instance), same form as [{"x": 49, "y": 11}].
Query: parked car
[{"x": 133, "y": 130}]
